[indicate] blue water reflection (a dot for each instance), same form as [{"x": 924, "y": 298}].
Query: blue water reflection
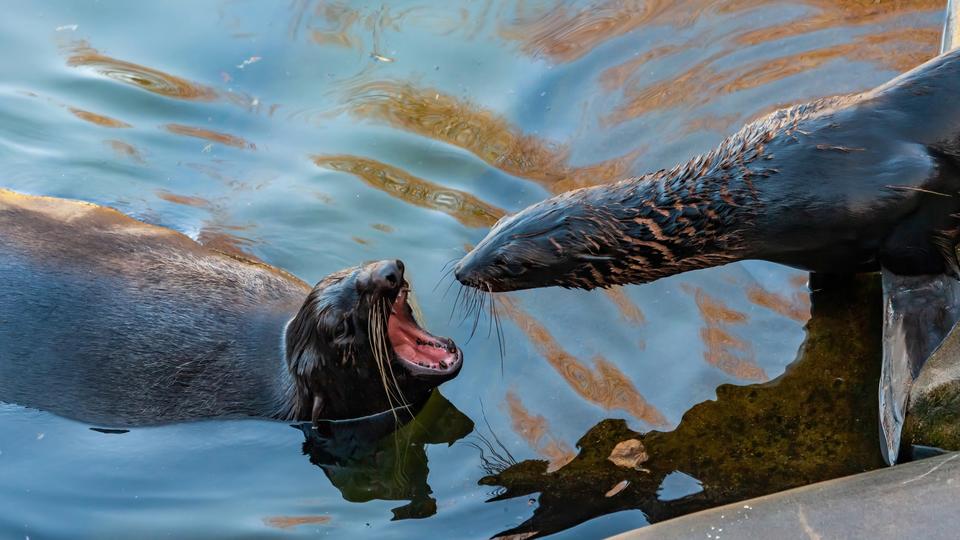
[{"x": 214, "y": 118}]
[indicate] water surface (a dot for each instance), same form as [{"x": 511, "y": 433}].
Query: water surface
[{"x": 315, "y": 135}]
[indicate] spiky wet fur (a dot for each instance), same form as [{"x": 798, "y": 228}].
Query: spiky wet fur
[{"x": 839, "y": 185}]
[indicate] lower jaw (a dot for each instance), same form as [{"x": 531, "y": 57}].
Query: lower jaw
[{"x": 427, "y": 373}]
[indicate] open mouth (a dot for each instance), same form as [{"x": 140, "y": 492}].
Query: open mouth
[{"x": 420, "y": 351}]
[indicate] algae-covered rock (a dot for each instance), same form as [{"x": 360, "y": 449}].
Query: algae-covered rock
[
  {"x": 815, "y": 422},
  {"x": 933, "y": 416}
]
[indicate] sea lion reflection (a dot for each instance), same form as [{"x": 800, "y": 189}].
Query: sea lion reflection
[{"x": 370, "y": 458}]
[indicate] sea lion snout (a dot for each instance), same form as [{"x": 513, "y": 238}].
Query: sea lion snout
[
  {"x": 466, "y": 270},
  {"x": 385, "y": 277},
  {"x": 481, "y": 270}
]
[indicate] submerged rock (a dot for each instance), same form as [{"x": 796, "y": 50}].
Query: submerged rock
[
  {"x": 933, "y": 415},
  {"x": 815, "y": 422}
]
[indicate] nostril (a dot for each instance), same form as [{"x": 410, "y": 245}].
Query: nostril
[
  {"x": 391, "y": 279},
  {"x": 463, "y": 277},
  {"x": 400, "y": 267}
]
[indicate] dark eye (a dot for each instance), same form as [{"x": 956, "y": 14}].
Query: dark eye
[{"x": 343, "y": 329}]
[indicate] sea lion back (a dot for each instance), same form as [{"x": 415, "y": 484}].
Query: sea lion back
[{"x": 130, "y": 320}]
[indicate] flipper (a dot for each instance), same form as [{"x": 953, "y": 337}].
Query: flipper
[{"x": 919, "y": 311}]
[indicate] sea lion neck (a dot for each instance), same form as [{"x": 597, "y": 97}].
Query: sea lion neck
[
  {"x": 295, "y": 400},
  {"x": 300, "y": 363},
  {"x": 696, "y": 215}
]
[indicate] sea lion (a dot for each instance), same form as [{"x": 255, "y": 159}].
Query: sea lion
[
  {"x": 111, "y": 321},
  {"x": 839, "y": 185}
]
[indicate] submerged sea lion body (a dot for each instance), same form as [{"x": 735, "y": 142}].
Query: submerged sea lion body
[
  {"x": 112, "y": 321},
  {"x": 839, "y": 185}
]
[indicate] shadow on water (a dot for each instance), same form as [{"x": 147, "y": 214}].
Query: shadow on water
[
  {"x": 372, "y": 459},
  {"x": 815, "y": 422}
]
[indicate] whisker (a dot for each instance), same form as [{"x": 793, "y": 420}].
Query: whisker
[
  {"x": 483, "y": 413},
  {"x": 383, "y": 340},
  {"x": 478, "y": 312},
  {"x": 474, "y": 300},
  {"x": 456, "y": 302},
  {"x": 375, "y": 335},
  {"x": 501, "y": 341},
  {"x": 445, "y": 272},
  {"x": 494, "y": 456},
  {"x": 447, "y": 290},
  {"x": 491, "y": 461},
  {"x": 465, "y": 307},
  {"x": 490, "y": 314},
  {"x": 448, "y": 263}
]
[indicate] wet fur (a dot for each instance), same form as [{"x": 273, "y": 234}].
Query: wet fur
[
  {"x": 838, "y": 185},
  {"x": 115, "y": 322}
]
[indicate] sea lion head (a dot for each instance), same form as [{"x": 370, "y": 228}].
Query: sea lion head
[
  {"x": 565, "y": 241},
  {"x": 355, "y": 347}
]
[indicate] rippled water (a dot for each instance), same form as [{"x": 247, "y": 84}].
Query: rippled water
[{"x": 314, "y": 135}]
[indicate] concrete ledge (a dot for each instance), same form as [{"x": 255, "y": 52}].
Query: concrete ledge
[{"x": 915, "y": 500}]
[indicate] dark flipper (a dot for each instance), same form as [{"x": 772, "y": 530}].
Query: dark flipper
[{"x": 919, "y": 311}]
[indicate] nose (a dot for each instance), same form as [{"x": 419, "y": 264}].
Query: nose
[
  {"x": 461, "y": 272},
  {"x": 466, "y": 271},
  {"x": 387, "y": 275}
]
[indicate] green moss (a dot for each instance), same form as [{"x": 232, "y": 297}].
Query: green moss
[
  {"x": 934, "y": 419},
  {"x": 815, "y": 422}
]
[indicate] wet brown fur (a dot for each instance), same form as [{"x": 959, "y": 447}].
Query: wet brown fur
[
  {"x": 838, "y": 185},
  {"x": 113, "y": 321}
]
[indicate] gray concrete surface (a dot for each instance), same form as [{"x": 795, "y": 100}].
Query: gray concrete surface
[{"x": 915, "y": 500}]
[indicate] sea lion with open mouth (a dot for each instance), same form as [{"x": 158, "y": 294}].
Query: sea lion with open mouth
[{"x": 111, "y": 321}]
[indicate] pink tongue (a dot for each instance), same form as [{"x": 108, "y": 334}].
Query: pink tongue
[{"x": 410, "y": 342}]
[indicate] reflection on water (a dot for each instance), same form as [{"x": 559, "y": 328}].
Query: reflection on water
[
  {"x": 152, "y": 80},
  {"x": 899, "y": 49},
  {"x": 197, "y": 202},
  {"x": 464, "y": 207},
  {"x": 535, "y": 431},
  {"x": 210, "y": 135},
  {"x": 816, "y": 421},
  {"x": 372, "y": 459},
  {"x": 216, "y": 233},
  {"x": 796, "y": 306},
  {"x": 604, "y": 385},
  {"x": 286, "y": 522},
  {"x": 431, "y": 113},
  {"x": 727, "y": 352},
  {"x": 565, "y": 34},
  {"x": 125, "y": 150},
  {"x": 828, "y": 14},
  {"x": 405, "y": 131},
  {"x": 630, "y": 311},
  {"x": 99, "y": 119}
]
